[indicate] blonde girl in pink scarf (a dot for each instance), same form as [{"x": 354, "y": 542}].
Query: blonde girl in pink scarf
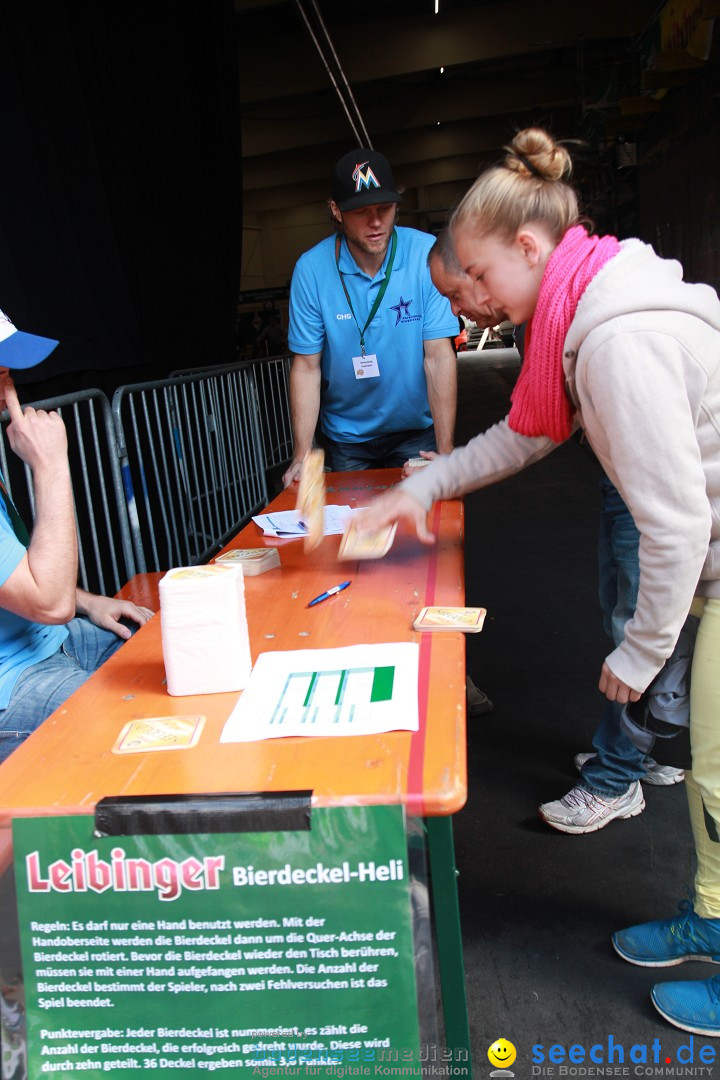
[{"x": 619, "y": 345}]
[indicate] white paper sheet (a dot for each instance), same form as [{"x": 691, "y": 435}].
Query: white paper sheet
[
  {"x": 356, "y": 690},
  {"x": 288, "y": 525}
]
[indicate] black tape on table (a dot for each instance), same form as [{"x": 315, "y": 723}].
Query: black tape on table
[{"x": 224, "y": 812}]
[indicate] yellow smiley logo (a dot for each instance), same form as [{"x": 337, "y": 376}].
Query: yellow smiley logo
[{"x": 502, "y": 1053}]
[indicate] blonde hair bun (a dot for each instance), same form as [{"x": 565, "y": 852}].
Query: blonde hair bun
[
  {"x": 529, "y": 185},
  {"x": 533, "y": 152}
]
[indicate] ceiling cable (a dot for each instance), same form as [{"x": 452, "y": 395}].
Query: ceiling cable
[
  {"x": 346, "y": 84},
  {"x": 344, "y": 92}
]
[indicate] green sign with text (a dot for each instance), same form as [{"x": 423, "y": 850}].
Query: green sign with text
[{"x": 218, "y": 952}]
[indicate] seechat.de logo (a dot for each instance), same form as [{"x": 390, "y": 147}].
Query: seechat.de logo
[{"x": 502, "y": 1054}]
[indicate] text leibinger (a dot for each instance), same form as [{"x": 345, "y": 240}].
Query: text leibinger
[{"x": 86, "y": 871}]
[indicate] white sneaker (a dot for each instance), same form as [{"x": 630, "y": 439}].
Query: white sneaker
[
  {"x": 581, "y": 812},
  {"x": 657, "y": 775}
]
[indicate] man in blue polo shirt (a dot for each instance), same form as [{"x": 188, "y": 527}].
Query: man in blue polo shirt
[
  {"x": 372, "y": 337},
  {"x": 52, "y": 634}
]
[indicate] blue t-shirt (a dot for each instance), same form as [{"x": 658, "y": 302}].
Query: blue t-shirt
[
  {"x": 22, "y": 643},
  {"x": 412, "y": 311}
]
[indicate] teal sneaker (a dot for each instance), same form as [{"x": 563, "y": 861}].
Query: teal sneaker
[
  {"x": 667, "y": 942},
  {"x": 692, "y": 1006}
]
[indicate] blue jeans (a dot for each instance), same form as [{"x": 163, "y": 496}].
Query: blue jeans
[
  {"x": 618, "y": 762},
  {"x": 384, "y": 452},
  {"x": 44, "y": 687}
]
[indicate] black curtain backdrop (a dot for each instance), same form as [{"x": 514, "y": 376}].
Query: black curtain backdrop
[{"x": 120, "y": 186}]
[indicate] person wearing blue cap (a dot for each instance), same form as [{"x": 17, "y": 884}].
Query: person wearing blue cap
[
  {"x": 371, "y": 335},
  {"x": 53, "y": 635}
]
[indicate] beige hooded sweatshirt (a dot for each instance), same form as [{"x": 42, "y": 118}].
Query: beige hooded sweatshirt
[{"x": 642, "y": 365}]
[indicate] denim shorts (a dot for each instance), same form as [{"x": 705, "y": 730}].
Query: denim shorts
[{"x": 44, "y": 687}]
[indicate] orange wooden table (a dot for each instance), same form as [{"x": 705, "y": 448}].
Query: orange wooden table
[{"x": 67, "y": 765}]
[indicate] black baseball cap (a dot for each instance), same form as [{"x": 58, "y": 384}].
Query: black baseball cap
[{"x": 362, "y": 177}]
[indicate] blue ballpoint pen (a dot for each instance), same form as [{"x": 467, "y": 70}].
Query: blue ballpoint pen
[{"x": 330, "y": 592}]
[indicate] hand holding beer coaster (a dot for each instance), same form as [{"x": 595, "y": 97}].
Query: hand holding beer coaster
[
  {"x": 469, "y": 620},
  {"x": 366, "y": 545},
  {"x": 311, "y": 497}
]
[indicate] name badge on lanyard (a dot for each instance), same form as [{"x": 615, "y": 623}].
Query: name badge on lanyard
[{"x": 366, "y": 366}]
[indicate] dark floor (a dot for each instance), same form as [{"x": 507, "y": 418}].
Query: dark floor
[{"x": 538, "y": 907}]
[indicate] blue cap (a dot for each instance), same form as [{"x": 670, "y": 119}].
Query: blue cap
[{"x": 19, "y": 350}]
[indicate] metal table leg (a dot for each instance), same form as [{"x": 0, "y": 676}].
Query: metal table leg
[{"x": 443, "y": 875}]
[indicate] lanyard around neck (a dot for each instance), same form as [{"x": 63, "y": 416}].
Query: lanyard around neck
[{"x": 381, "y": 291}]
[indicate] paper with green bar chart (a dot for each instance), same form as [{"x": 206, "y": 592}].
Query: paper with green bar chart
[{"x": 356, "y": 690}]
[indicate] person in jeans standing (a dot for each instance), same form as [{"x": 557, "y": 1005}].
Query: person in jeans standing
[{"x": 608, "y": 774}]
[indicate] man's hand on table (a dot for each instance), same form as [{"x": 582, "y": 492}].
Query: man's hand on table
[
  {"x": 292, "y": 474},
  {"x": 429, "y": 455},
  {"x": 107, "y": 611}
]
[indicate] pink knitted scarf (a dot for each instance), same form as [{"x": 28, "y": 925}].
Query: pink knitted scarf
[{"x": 540, "y": 405}]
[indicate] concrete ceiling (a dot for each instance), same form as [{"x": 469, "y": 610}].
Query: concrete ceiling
[{"x": 567, "y": 64}]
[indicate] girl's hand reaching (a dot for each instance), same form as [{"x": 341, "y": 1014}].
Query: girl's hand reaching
[{"x": 393, "y": 506}]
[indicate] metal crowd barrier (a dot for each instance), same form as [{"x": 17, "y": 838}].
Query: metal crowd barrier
[
  {"x": 271, "y": 377},
  {"x": 105, "y": 549},
  {"x": 192, "y": 462}
]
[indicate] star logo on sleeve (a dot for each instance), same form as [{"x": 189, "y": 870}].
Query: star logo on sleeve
[{"x": 401, "y": 310}]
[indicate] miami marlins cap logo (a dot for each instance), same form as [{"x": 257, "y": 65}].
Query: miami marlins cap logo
[{"x": 366, "y": 178}]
